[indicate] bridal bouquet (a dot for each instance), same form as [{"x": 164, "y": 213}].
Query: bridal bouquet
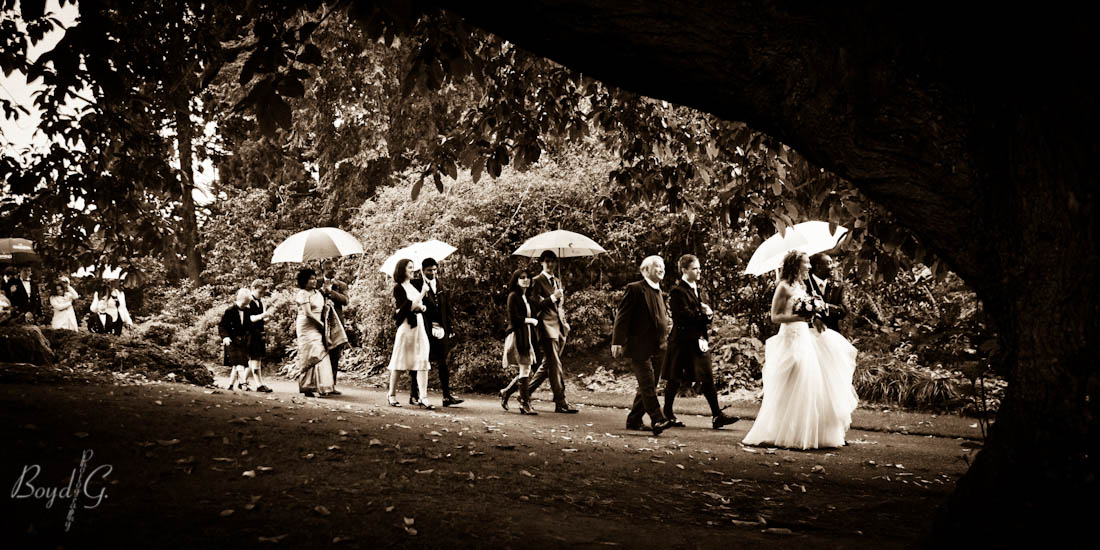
[{"x": 809, "y": 306}]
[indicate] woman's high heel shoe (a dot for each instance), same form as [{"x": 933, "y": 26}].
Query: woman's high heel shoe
[
  {"x": 504, "y": 399},
  {"x": 425, "y": 405},
  {"x": 393, "y": 402}
]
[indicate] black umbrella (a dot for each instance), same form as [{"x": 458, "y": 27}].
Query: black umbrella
[{"x": 17, "y": 252}]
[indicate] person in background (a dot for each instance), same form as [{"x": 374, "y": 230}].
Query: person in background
[
  {"x": 235, "y": 330},
  {"x": 64, "y": 316},
  {"x": 257, "y": 348},
  {"x": 25, "y": 297},
  {"x": 98, "y": 321},
  {"x": 336, "y": 291},
  {"x": 519, "y": 348},
  {"x": 115, "y": 302}
]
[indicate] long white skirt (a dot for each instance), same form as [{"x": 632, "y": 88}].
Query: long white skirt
[{"x": 808, "y": 393}]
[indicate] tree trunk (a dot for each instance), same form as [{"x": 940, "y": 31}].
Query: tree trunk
[
  {"x": 971, "y": 127},
  {"x": 189, "y": 229}
]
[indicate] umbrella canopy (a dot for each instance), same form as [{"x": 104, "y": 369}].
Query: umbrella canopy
[
  {"x": 108, "y": 272},
  {"x": 566, "y": 244},
  {"x": 809, "y": 237},
  {"x": 316, "y": 244},
  {"x": 17, "y": 252},
  {"x": 418, "y": 252}
]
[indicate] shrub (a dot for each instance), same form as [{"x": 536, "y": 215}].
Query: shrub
[
  {"x": 78, "y": 349},
  {"x": 476, "y": 365},
  {"x": 160, "y": 334}
]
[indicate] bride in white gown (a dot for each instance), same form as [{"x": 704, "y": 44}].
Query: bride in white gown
[{"x": 808, "y": 393}]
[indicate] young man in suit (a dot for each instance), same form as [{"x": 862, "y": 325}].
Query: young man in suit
[
  {"x": 822, "y": 283},
  {"x": 24, "y": 296},
  {"x": 688, "y": 358},
  {"x": 437, "y": 317},
  {"x": 547, "y": 298},
  {"x": 235, "y": 329},
  {"x": 336, "y": 290},
  {"x": 641, "y": 333},
  {"x": 98, "y": 321}
]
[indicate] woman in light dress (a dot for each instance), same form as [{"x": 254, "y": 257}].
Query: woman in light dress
[
  {"x": 519, "y": 351},
  {"x": 808, "y": 393},
  {"x": 411, "y": 345},
  {"x": 64, "y": 316},
  {"x": 314, "y": 367}
]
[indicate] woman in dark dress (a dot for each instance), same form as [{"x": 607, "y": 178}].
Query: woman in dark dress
[{"x": 518, "y": 348}]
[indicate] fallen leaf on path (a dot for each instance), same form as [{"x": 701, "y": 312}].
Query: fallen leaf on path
[
  {"x": 476, "y": 453},
  {"x": 817, "y": 469},
  {"x": 389, "y": 508},
  {"x": 320, "y": 509},
  {"x": 264, "y": 468},
  {"x": 526, "y": 473},
  {"x": 655, "y": 461},
  {"x": 435, "y": 433},
  {"x": 168, "y": 442},
  {"x": 342, "y": 432},
  {"x": 249, "y": 473},
  {"x": 334, "y": 448},
  {"x": 158, "y": 402},
  {"x": 375, "y": 443},
  {"x": 505, "y": 446},
  {"x": 741, "y": 523},
  {"x": 778, "y": 531},
  {"x": 569, "y": 450},
  {"x": 410, "y": 521},
  {"x": 715, "y": 472},
  {"x": 81, "y": 435},
  {"x": 406, "y": 461},
  {"x": 226, "y": 513},
  {"x": 274, "y": 539},
  {"x": 425, "y": 471}
]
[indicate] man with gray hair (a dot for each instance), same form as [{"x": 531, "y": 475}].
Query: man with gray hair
[{"x": 641, "y": 332}]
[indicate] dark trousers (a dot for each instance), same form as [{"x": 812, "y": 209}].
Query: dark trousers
[
  {"x": 439, "y": 361},
  {"x": 334, "y": 358},
  {"x": 550, "y": 368},
  {"x": 708, "y": 390},
  {"x": 645, "y": 401}
]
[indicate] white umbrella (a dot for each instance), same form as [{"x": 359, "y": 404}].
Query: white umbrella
[
  {"x": 566, "y": 244},
  {"x": 418, "y": 252},
  {"x": 390, "y": 264},
  {"x": 809, "y": 237},
  {"x": 316, "y": 244},
  {"x": 108, "y": 272}
]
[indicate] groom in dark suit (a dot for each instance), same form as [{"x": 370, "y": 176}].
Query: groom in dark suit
[
  {"x": 688, "y": 357},
  {"x": 641, "y": 333},
  {"x": 437, "y": 319},
  {"x": 822, "y": 283}
]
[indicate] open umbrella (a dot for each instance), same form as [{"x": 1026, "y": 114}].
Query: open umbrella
[
  {"x": 17, "y": 252},
  {"x": 809, "y": 237},
  {"x": 108, "y": 272},
  {"x": 418, "y": 252},
  {"x": 566, "y": 244},
  {"x": 316, "y": 244}
]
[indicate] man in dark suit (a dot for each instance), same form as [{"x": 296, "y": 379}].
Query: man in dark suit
[
  {"x": 641, "y": 333},
  {"x": 547, "y": 298},
  {"x": 25, "y": 298},
  {"x": 688, "y": 357},
  {"x": 822, "y": 283},
  {"x": 337, "y": 291},
  {"x": 437, "y": 317},
  {"x": 98, "y": 321}
]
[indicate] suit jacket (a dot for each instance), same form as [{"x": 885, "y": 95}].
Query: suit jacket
[
  {"x": 550, "y": 315},
  {"x": 437, "y": 312},
  {"x": 239, "y": 332},
  {"x": 338, "y": 295},
  {"x": 21, "y": 301},
  {"x": 517, "y": 322},
  {"x": 834, "y": 296},
  {"x": 641, "y": 322},
  {"x": 402, "y": 304},
  {"x": 100, "y": 327}
]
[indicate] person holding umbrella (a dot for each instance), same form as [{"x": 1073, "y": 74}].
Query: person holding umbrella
[
  {"x": 548, "y": 298},
  {"x": 314, "y": 367}
]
